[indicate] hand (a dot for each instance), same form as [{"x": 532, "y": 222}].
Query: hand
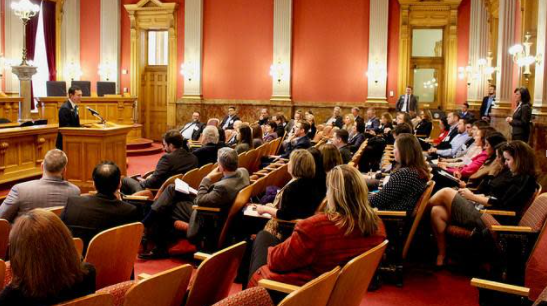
[
  {"x": 260, "y": 209},
  {"x": 214, "y": 175},
  {"x": 462, "y": 184},
  {"x": 466, "y": 193},
  {"x": 442, "y": 165},
  {"x": 509, "y": 119},
  {"x": 141, "y": 179},
  {"x": 457, "y": 174},
  {"x": 387, "y": 130},
  {"x": 432, "y": 150},
  {"x": 372, "y": 132}
]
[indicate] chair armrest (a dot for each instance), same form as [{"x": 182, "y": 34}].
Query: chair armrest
[
  {"x": 390, "y": 213},
  {"x": 499, "y": 212},
  {"x": 143, "y": 276},
  {"x": 202, "y": 208},
  {"x": 277, "y": 286},
  {"x": 261, "y": 174},
  {"x": 500, "y": 287},
  {"x": 293, "y": 222},
  {"x": 147, "y": 174},
  {"x": 201, "y": 256},
  {"x": 514, "y": 229},
  {"x": 136, "y": 198}
]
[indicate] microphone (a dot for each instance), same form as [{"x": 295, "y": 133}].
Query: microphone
[{"x": 95, "y": 113}]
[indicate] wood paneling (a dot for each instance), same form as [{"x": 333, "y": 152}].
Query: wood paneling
[
  {"x": 9, "y": 108},
  {"x": 154, "y": 101}
]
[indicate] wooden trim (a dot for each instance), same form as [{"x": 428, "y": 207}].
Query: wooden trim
[
  {"x": 201, "y": 256},
  {"x": 135, "y": 197},
  {"x": 516, "y": 229},
  {"x": 143, "y": 276},
  {"x": 390, "y": 213},
  {"x": 277, "y": 286},
  {"x": 202, "y": 208},
  {"x": 501, "y": 287},
  {"x": 498, "y": 212}
]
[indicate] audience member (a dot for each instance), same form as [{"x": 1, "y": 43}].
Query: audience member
[
  {"x": 465, "y": 113},
  {"x": 336, "y": 119},
  {"x": 356, "y": 112},
  {"x": 232, "y": 134},
  {"x": 466, "y": 168},
  {"x": 521, "y": 119},
  {"x": 424, "y": 125},
  {"x": 347, "y": 228},
  {"x": 270, "y": 131},
  {"x": 445, "y": 130},
  {"x": 510, "y": 190},
  {"x": 491, "y": 167},
  {"x": 349, "y": 122},
  {"x": 292, "y": 123},
  {"x": 228, "y": 121},
  {"x": 207, "y": 153},
  {"x": 407, "y": 103},
  {"x": 193, "y": 129},
  {"x": 281, "y": 124},
  {"x": 244, "y": 139},
  {"x": 257, "y": 135},
  {"x": 452, "y": 119},
  {"x": 46, "y": 268},
  {"x": 331, "y": 156},
  {"x": 340, "y": 140},
  {"x": 373, "y": 123},
  {"x": 320, "y": 173},
  {"x": 49, "y": 191},
  {"x": 456, "y": 142},
  {"x": 264, "y": 117},
  {"x": 299, "y": 140},
  {"x": 488, "y": 103},
  {"x": 311, "y": 121},
  {"x": 386, "y": 124},
  {"x": 176, "y": 160},
  {"x": 357, "y": 137},
  {"x": 86, "y": 216}
]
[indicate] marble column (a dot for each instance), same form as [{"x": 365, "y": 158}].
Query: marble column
[
  {"x": 110, "y": 38},
  {"x": 13, "y": 50},
  {"x": 24, "y": 73},
  {"x": 478, "y": 49},
  {"x": 377, "y": 54},
  {"x": 282, "y": 39},
  {"x": 70, "y": 33},
  {"x": 193, "y": 48}
]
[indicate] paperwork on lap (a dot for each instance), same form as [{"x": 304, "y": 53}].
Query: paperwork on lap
[
  {"x": 250, "y": 211},
  {"x": 182, "y": 186}
]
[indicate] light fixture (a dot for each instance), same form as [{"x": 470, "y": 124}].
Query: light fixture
[
  {"x": 188, "y": 70},
  {"x": 376, "y": 72},
  {"x": 470, "y": 73},
  {"x": 486, "y": 68},
  {"x": 279, "y": 71},
  {"x": 25, "y": 10},
  {"x": 522, "y": 57},
  {"x": 73, "y": 71},
  {"x": 431, "y": 84},
  {"x": 107, "y": 71}
]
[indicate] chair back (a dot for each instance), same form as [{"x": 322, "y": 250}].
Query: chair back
[
  {"x": 355, "y": 277},
  {"x": 5, "y": 227},
  {"x": 214, "y": 277},
  {"x": 531, "y": 200},
  {"x": 281, "y": 176},
  {"x": 206, "y": 169},
  {"x": 251, "y": 160},
  {"x": 113, "y": 253},
  {"x": 241, "y": 199},
  {"x": 79, "y": 245},
  {"x": 315, "y": 292},
  {"x": 258, "y": 187},
  {"x": 536, "y": 215},
  {"x": 417, "y": 215},
  {"x": 58, "y": 210},
  {"x": 192, "y": 178},
  {"x": 163, "y": 289},
  {"x": 168, "y": 182},
  {"x": 542, "y": 298},
  {"x": 2, "y": 274},
  {"x": 535, "y": 275},
  {"x": 213, "y": 121},
  {"x": 96, "y": 299}
]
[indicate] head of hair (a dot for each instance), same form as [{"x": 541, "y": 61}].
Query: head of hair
[
  {"x": 232, "y": 107},
  {"x": 471, "y": 121},
  {"x": 360, "y": 125},
  {"x": 302, "y": 164},
  {"x": 466, "y": 104},
  {"x": 408, "y": 86},
  {"x": 331, "y": 156},
  {"x": 257, "y": 131},
  {"x": 402, "y": 128},
  {"x": 427, "y": 115},
  {"x": 246, "y": 135},
  {"x": 445, "y": 123},
  {"x": 55, "y": 161},
  {"x": 173, "y": 137},
  {"x": 411, "y": 155},
  {"x": 357, "y": 109},
  {"x": 456, "y": 115},
  {"x": 43, "y": 258},
  {"x": 228, "y": 159},
  {"x": 480, "y": 123},
  {"x": 272, "y": 124},
  {"x": 406, "y": 117},
  {"x": 524, "y": 94},
  {"x": 210, "y": 134},
  {"x": 106, "y": 177},
  {"x": 306, "y": 126},
  {"x": 318, "y": 159},
  {"x": 388, "y": 117},
  {"x": 347, "y": 201},
  {"x": 493, "y": 85},
  {"x": 72, "y": 90},
  {"x": 524, "y": 156},
  {"x": 494, "y": 138},
  {"x": 343, "y": 135},
  {"x": 485, "y": 131}
]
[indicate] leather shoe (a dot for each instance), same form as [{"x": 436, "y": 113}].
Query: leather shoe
[{"x": 155, "y": 253}]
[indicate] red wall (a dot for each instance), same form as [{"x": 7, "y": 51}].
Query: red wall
[
  {"x": 393, "y": 51},
  {"x": 90, "y": 33},
  {"x": 330, "y": 50},
  {"x": 464, "y": 14},
  {"x": 518, "y": 39},
  {"x": 237, "y": 49}
]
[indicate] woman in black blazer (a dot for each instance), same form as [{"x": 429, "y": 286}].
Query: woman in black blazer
[
  {"x": 520, "y": 121},
  {"x": 424, "y": 127}
]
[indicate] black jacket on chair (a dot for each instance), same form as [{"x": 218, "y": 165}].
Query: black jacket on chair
[
  {"x": 424, "y": 128},
  {"x": 522, "y": 118},
  {"x": 207, "y": 154},
  {"x": 68, "y": 117}
]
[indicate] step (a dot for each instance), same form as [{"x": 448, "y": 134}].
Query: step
[
  {"x": 139, "y": 143},
  {"x": 153, "y": 149}
]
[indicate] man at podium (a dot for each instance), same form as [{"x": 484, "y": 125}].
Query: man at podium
[{"x": 69, "y": 113}]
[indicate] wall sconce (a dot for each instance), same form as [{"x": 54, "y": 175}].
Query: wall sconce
[
  {"x": 468, "y": 72},
  {"x": 25, "y": 10},
  {"x": 188, "y": 70},
  {"x": 376, "y": 72},
  {"x": 279, "y": 71},
  {"x": 431, "y": 84},
  {"x": 6, "y": 63},
  {"x": 485, "y": 66},
  {"x": 73, "y": 71},
  {"x": 107, "y": 71},
  {"x": 521, "y": 55}
]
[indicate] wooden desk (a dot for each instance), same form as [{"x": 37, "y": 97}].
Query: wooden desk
[
  {"x": 22, "y": 150},
  {"x": 86, "y": 147},
  {"x": 118, "y": 110},
  {"x": 9, "y": 108}
]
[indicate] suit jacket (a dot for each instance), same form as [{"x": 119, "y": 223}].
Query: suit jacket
[
  {"x": 176, "y": 162},
  {"x": 198, "y": 129},
  {"x": 339, "y": 121},
  {"x": 346, "y": 154},
  {"x": 359, "y": 118},
  {"x": 207, "y": 154},
  {"x": 263, "y": 121},
  {"x": 424, "y": 128},
  {"x": 230, "y": 123},
  {"x": 86, "y": 216},
  {"x": 42, "y": 193},
  {"x": 445, "y": 143},
  {"x": 484, "y": 105},
  {"x": 468, "y": 115},
  {"x": 68, "y": 117},
  {"x": 222, "y": 193},
  {"x": 355, "y": 142},
  {"x": 412, "y": 104},
  {"x": 521, "y": 122},
  {"x": 373, "y": 125},
  {"x": 301, "y": 143}
]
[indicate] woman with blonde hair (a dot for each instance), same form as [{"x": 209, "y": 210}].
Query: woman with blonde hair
[
  {"x": 346, "y": 228},
  {"x": 331, "y": 156},
  {"x": 349, "y": 121},
  {"x": 45, "y": 265}
]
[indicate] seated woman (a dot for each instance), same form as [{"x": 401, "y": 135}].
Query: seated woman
[
  {"x": 445, "y": 130},
  {"x": 46, "y": 268},
  {"x": 257, "y": 135},
  {"x": 508, "y": 191},
  {"x": 346, "y": 228},
  {"x": 299, "y": 198},
  {"x": 349, "y": 121},
  {"x": 407, "y": 183},
  {"x": 320, "y": 174},
  {"x": 244, "y": 139},
  {"x": 358, "y": 132},
  {"x": 331, "y": 156},
  {"x": 311, "y": 120},
  {"x": 425, "y": 124},
  {"x": 270, "y": 131},
  {"x": 490, "y": 169}
]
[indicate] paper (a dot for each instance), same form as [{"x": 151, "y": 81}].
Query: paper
[
  {"x": 250, "y": 211},
  {"x": 182, "y": 186}
]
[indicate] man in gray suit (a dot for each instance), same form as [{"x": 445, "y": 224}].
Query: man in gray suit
[
  {"x": 49, "y": 191},
  {"x": 173, "y": 209},
  {"x": 407, "y": 103}
]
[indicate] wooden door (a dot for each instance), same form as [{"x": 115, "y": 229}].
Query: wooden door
[{"x": 154, "y": 101}]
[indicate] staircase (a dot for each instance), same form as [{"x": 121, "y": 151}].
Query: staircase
[{"x": 143, "y": 146}]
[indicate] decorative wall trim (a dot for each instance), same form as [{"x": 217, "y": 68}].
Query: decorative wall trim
[
  {"x": 282, "y": 48},
  {"x": 110, "y": 37},
  {"x": 478, "y": 48},
  {"x": 70, "y": 33},
  {"x": 506, "y": 38},
  {"x": 193, "y": 46},
  {"x": 377, "y": 52}
]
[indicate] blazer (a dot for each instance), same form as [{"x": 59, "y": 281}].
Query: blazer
[
  {"x": 301, "y": 143},
  {"x": 484, "y": 105},
  {"x": 509, "y": 192},
  {"x": 222, "y": 193},
  {"x": 207, "y": 153},
  {"x": 339, "y": 121},
  {"x": 42, "y": 193},
  {"x": 412, "y": 104},
  {"x": 346, "y": 154},
  {"x": 521, "y": 122},
  {"x": 355, "y": 142},
  {"x": 401, "y": 192},
  {"x": 198, "y": 129},
  {"x": 269, "y": 137},
  {"x": 445, "y": 142},
  {"x": 373, "y": 124},
  {"x": 300, "y": 199},
  {"x": 230, "y": 123},
  {"x": 424, "y": 128},
  {"x": 468, "y": 115},
  {"x": 68, "y": 117},
  {"x": 86, "y": 216},
  {"x": 176, "y": 162},
  {"x": 316, "y": 246}
]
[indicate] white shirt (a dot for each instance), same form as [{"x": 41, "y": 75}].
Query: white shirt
[
  {"x": 405, "y": 104},
  {"x": 188, "y": 130}
]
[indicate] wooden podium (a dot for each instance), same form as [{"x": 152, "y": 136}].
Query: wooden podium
[{"x": 85, "y": 147}]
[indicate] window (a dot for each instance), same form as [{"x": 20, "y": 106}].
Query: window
[
  {"x": 427, "y": 42},
  {"x": 158, "y": 43},
  {"x": 40, "y": 61}
]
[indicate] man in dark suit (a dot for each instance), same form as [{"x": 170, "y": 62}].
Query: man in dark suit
[
  {"x": 69, "y": 113},
  {"x": 207, "y": 153},
  {"x": 299, "y": 140},
  {"x": 173, "y": 209},
  {"x": 356, "y": 112},
  {"x": 341, "y": 142},
  {"x": 488, "y": 102},
  {"x": 87, "y": 216},
  {"x": 192, "y": 130},
  {"x": 407, "y": 103},
  {"x": 464, "y": 113},
  {"x": 336, "y": 119},
  {"x": 228, "y": 121},
  {"x": 176, "y": 161},
  {"x": 373, "y": 122},
  {"x": 264, "y": 117}
]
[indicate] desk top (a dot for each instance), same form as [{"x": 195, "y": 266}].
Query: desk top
[{"x": 35, "y": 129}]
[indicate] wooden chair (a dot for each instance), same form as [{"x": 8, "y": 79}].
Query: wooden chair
[
  {"x": 215, "y": 275},
  {"x": 95, "y": 299},
  {"x": 58, "y": 210},
  {"x": 5, "y": 227},
  {"x": 193, "y": 178},
  {"x": 2, "y": 274},
  {"x": 113, "y": 253},
  {"x": 79, "y": 244}
]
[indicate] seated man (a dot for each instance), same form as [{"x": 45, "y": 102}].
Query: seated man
[
  {"x": 176, "y": 160},
  {"x": 340, "y": 140},
  {"x": 173, "y": 209},
  {"x": 209, "y": 146},
  {"x": 232, "y": 140},
  {"x": 228, "y": 121},
  {"x": 192, "y": 130},
  {"x": 336, "y": 119},
  {"x": 49, "y": 191},
  {"x": 373, "y": 123},
  {"x": 264, "y": 117},
  {"x": 299, "y": 140},
  {"x": 86, "y": 216},
  {"x": 459, "y": 140}
]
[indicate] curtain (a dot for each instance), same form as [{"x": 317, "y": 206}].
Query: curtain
[
  {"x": 48, "y": 11},
  {"x": 30, "y": 40}
]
